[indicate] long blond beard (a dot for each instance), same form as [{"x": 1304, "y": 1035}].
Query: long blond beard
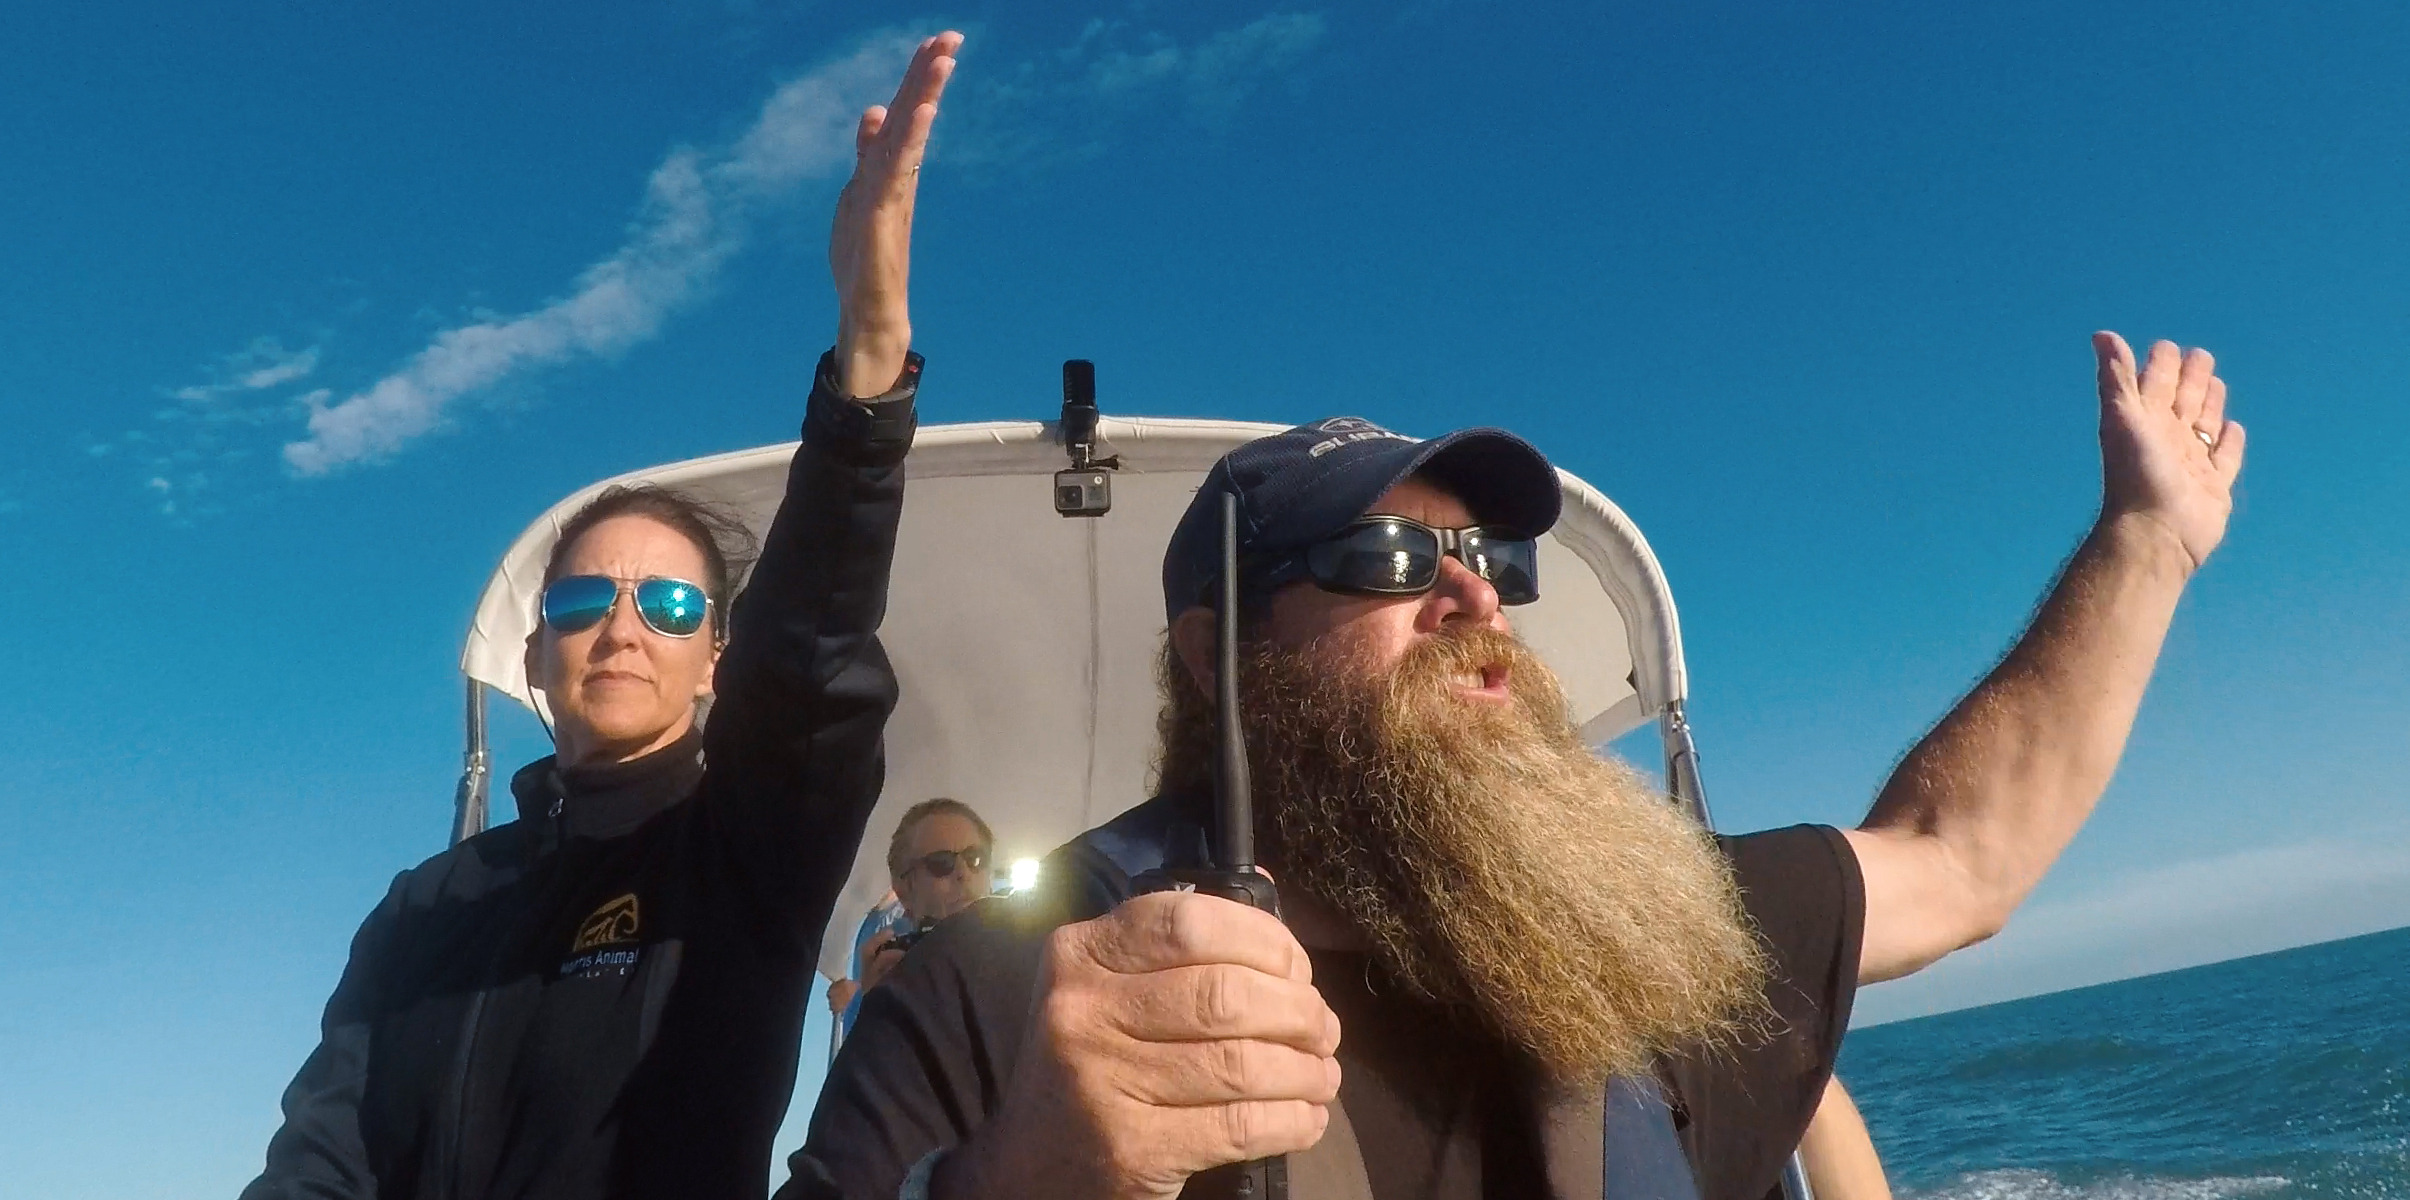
[{"x": 1494, "y": 862}]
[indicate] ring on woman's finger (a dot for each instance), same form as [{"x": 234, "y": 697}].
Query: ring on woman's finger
[{"x": 2207, "y": 438}]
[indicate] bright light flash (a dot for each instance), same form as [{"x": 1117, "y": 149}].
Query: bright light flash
[{"x": 1025, "y": 874}]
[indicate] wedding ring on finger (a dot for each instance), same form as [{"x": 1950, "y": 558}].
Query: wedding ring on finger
[{"x": 2207, "y": 438}]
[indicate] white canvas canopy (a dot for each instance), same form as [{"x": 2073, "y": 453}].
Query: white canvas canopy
[{"x": 1026, "y": 643}]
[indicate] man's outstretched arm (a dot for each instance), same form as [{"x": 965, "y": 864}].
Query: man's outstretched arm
[{"x": 1982, "y": 806}]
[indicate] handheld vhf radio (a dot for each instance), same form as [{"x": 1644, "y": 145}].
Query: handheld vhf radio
[{"x": 1233, "y": 875}]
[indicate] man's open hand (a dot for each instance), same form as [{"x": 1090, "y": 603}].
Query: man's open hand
[
  {"x": 870, "y": 247},
  {"x": 2167, "y": 451},
  {"x": 1177, "y": 1033}
]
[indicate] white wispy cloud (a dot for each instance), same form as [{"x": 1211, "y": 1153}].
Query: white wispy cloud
[
  {"x": 1232, "y": 65},
  {"x": 264, "y": 364},
  {"x": 697, "y": 210},
  {"x": 206, "y": 429},
  {"x": 1215, "y": 73},
  {"x": 284, "y": 372},
  {"x": 1064, "y": 105},
  {"x": 2172, "y": 916}
]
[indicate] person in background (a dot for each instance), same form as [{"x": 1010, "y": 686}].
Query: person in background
[
  {"x": 940, "y": 861},
  {"x": 1838, "y": 1153},
  {"x": 604, "y": 997}
]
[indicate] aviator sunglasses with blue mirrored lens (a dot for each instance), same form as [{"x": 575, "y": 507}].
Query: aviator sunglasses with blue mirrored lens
[
  {"x": 1394, "y": 556},
  {"x": 669, "y": 607}
]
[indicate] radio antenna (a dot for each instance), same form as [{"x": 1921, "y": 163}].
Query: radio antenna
[
  {"x": 1236, "y": 809},
  {"x": 1232, "y": 876}
]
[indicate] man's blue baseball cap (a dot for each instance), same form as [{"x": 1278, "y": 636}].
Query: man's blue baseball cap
[{"x": 1299, "y": 487}]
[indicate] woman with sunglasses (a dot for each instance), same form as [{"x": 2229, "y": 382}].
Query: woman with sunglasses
[{"x": 605, "y": 996}]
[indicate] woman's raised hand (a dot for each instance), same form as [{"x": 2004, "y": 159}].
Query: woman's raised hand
[{"x": 870, "y": 247}]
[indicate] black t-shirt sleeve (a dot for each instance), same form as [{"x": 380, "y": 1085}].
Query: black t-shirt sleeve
[
  {"x": 1742, "y": 1110},
  {"x": 927, "y": 1057}
]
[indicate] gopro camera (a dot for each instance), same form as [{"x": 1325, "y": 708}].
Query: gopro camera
[
  {"x": 1086, "y": 489},
  {"x": 1083, "y": 493}
]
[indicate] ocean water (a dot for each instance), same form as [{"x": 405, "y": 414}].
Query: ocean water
[{"x": 2279, "y": 1076}]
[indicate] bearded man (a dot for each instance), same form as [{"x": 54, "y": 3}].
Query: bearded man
[{"x": 1551, "y": 982}]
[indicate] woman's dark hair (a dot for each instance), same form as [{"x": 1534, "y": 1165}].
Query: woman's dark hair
[{"x": 718, "y": 534}]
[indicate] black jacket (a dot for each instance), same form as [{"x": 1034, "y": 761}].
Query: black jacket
[{"x": 605, "y": 996}]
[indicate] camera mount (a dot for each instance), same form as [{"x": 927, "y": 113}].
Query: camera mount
[{"x": 1086, "y": 490}]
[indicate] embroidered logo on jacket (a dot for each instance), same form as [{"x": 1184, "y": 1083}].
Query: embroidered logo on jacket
[
  {"x": 615, "y": 924},
  {"x": 615, "y": 921}
]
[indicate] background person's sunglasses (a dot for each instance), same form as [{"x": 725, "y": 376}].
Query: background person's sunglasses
[
  {"x": 669, "y": 607},
  {"x": 1393, "y": 556},
  {"x": 940, "y": 864}
]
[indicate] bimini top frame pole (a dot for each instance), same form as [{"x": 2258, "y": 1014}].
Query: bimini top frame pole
[
  {"x": 476, "y": 767},
  {"x": 1682, "y": 762},
  {"x": 1682, "y": 781}
]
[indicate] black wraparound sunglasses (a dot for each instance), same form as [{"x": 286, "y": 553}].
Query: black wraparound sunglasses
[
  {"x": 1394, "y": 556},
  {"x": 941, "y": 864}
]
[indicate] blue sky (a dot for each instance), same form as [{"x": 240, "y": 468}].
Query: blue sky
[{"x": 1806, "y": 292}]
